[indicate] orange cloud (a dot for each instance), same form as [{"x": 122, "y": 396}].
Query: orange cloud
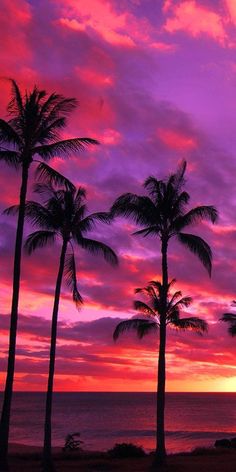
[
  {"x": 176, "y": 140},
  {"x": 196, "y": 20}
]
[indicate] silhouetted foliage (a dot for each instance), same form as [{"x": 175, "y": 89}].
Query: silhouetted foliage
[
  {"x": 151, "y": 312},
  {"x": 163, "y": 214},
  {"x": 72, "y": 443},
  {"x": 31, "y": 134},
  {"x": 62, "y": 217},
  {"x": 124, "y": 450},
  {"x": 230, "y": 318}
]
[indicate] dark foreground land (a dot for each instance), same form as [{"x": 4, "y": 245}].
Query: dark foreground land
[{"x": 27, "y": 459}]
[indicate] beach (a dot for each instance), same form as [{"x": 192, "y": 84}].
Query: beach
[{"x": 27, "y": 459}]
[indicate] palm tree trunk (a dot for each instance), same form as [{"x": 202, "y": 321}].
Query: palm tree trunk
[
  {"x": 160, "y": 433},
  {"x": 47, "y": 449},
  {"x": 6, "y": 409}
]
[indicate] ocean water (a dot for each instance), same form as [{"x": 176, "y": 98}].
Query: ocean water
[{"x": 103, "y": 419}]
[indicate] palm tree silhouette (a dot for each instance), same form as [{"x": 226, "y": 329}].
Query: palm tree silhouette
[
  {"x": 63, "y": 217},
  {"x": 152, "y": 313},
  {"x": 163, "y": 214},
  {"x": 230, "y": 318},
  {"x": 32, "y": 132}
]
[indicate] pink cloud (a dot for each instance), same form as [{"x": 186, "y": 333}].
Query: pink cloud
[
  {"x": 196, "y": 20},
  {"x": 163, "y": 47},
  {"x": 177, "y": 140},
  {"x": 97, "y": 16},
  {"x": 94, "y": 77},
  {"x": 231, "y": 5}
]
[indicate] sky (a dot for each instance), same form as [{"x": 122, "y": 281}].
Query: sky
[{"x": 156, "y": 83}]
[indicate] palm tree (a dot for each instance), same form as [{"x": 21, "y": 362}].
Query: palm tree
[
  {"x": 152, "y": 317},
  {"x": 230, "y": 318},
  {"x": 32, "y": 132},
  {"x": 163, "y": 214},
  {"x": 63, "y": 216}
]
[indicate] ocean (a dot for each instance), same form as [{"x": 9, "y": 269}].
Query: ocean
[{"x": 103, "y": 419}]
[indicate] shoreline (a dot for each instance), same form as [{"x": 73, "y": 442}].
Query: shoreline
[{"x": 23, "y": 458}]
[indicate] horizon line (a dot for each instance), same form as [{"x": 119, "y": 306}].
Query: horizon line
[{"x": 119, "y": 391}]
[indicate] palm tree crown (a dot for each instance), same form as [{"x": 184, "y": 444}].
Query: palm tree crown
[
  {"x": 36, "y": 120},
  {"x": 63, "y": 216},
  {"x": 151, "y": 312},
  {"x": 163, "y": 213}
]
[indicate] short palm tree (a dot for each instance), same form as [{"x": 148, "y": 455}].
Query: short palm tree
[
  {"x": 62, "y": 217},
  {"x": 162, "y": 214},
  {"x": 151, "y": 318},
  {"x": 230, "y": 318},
  {"x": 32, "y": 134}
]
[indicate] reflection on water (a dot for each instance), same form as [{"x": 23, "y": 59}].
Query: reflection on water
[{"x": 192, "y": 419}]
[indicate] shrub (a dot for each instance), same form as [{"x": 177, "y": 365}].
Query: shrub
[
  {"x": 72, "y": 442},
  {"x": 124, "y": 450}
]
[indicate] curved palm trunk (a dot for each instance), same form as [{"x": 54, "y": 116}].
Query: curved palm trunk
[
  {"x": 47, "y": 449},
  {"x": 6, "y": 409},
  {"x": 160, "y": 434}
]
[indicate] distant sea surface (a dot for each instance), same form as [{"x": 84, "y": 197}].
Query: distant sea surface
[{"x": 103, "y": 419}]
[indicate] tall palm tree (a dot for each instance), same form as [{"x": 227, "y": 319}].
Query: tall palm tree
[
  {"x": 230, "y": 318},
  {"x": 152, "y": 317},
  {"x": 32, "y": 134},
  {"x": 163, "y": 214},
  {"x": 62, "y": 217}
]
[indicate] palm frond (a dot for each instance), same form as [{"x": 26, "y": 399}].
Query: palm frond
[
  {"x": 151, "y": 230},
  {"x": 8, "y": 134},
  {"x": 180, "y": 200},
  {"x": 191, "y": 323},
  {"x": 11, "y": 158},
  {"x": 51, "y": 132},
  {"x": 15, "y": 106},
  {"x": 152, "y": 291},
  {"x": 89, "y": 222},
  {"x": 230, "y": 318},
  {"x": 44, "y": 173},
  {"x": 144, "y": 308},
  {"x": 96, "y": 247},
  {"x": 71, "y": 279},
  {"x": 140, "y": 208},
  {"x": 62, "y": 148},
  {"x": 11, "y": 211},
  {"x": 199, "y": 247},
  {"x": 39, "y": 215},
  {"x": 195, "y": 215},
  {"x": 157, "y": 285},
  {"x": 142, "y": 327},
  {"x": 180, "y": 303},
  {"x": 56, "y": 106},
  {"x": 39, "y": 239},
  {"x": 155, "y": 187},
  {"x": 178, "y": 177},
  {"x": 102, "y": 216}
]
